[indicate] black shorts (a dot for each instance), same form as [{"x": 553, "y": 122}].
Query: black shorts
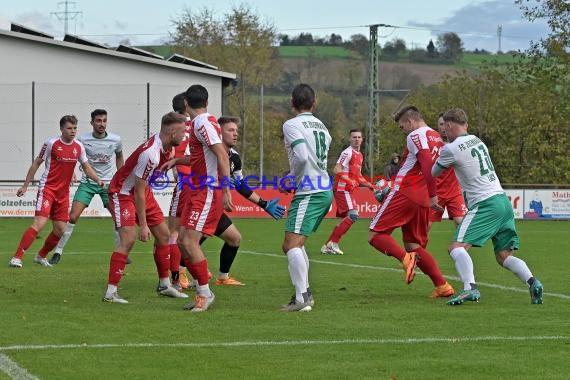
[{"x": 224, "y": 223}]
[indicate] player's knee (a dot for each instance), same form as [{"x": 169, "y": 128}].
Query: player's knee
[
  {"x": 234, "y": 240},
  {"x": 353, "y": 215}
]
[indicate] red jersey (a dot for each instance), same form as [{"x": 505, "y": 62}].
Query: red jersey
[
  {"x": 204, "y": 133},
  {"x": 351, "y": 162},
  {"x": 410, "y": 180},
  {"x": 183, "y": 150},
  {"x": 141, "y": 163},
  {"x": 60, "y": 159},
  {"x": 447, "y": 185}
]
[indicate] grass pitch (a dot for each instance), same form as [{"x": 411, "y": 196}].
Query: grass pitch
[{"x": 366, "y": 324}]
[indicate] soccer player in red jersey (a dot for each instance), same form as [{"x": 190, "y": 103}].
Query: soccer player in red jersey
[
  {"x": 60, "y": 155},
  {"x": 179, "y": 199},
  {"x": 408, "y": 204},
  {"x": 349, "y": 178},
  {"x": 132, "y": 202},
  {"x": 448, "y": 190},
  {"x": 209, "y": 197}
]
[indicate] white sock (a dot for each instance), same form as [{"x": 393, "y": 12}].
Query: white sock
[
  {"x": 117, "y": 238},
  {"x": 204, "y": 290},
  {"x": 223, "y": 276},
  {"x": 164, "y": 281},
  {"x": 464, "y": 266},
  {"x": 110, "y": 290},
  {"x": 299, "y": 272},
  {"x": 306, "y": 262},
  {"x": 64, "y": 238},
  {"x": 518, "y": 267}
]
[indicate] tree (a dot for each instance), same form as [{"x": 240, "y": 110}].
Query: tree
[
  {"x": 335, "y": 40},
  {"x": 450, "y": 46},
  {"x": 431, "y": 52},
  {"x": 284, "y": 40},
  {"x": 358, "y": 43},
  {"x": 241, "y": 42},
  {"x": 395, "y": 47}
]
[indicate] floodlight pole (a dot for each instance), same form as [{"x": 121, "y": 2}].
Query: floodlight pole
[{"x": 373, "y": 96}]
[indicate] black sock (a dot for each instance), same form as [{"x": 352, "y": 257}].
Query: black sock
[
  {"x": 227, "y": 256},
  {"x": 530, "y": 281},
  {"x": 175, "y": 276}
]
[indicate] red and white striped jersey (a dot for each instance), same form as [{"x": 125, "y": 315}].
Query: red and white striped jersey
[
  {"x": 410, "y": 179},
  {"x": 205, "y": 133},
  {"x": 183, "y": 149},
  {"x": 351, "y": 162},
  {"x": 141, "y": 163},
  {"x": 60, "y": 160}
]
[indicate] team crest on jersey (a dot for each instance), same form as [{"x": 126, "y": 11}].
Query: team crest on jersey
[
  {"x": 75, "y": 152},
  {"x": 125, "y": 214},
  {"x": 46, "y": 203}
]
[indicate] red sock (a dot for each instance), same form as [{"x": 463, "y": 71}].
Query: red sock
[
  {"x": 49, "y": 244},
  {"x": 116, "y": 267},
  {"x": 175, "y": 256},
  {"x": 198, "y": 270},
  {"x": 162, "y": 260},
  {"x": 27, "y": 240},
  {"x": 388, "y": 246},
  {"x": 340, "y": 229},
  {"x": 428, "y": 265}
]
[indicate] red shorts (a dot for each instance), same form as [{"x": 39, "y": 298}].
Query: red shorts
[
  {"x": 179, "y": 201},
  {"x": 50, "y": 206},
  {"x": 344, "y": 203},
  {"x": 124, "y": 211},
  {"x": 455, "y": 208},
  {"x": 399, "y": 211},
  {"x": 204, "y": 210}
]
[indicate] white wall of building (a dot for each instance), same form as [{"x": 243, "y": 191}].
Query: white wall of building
[{"x": 73, "y": 79}]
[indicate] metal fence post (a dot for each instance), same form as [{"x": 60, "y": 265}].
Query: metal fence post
[{"x": 33, "y": 120}]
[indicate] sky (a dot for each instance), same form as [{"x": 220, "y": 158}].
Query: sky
[{"x": 146, "y": 22}]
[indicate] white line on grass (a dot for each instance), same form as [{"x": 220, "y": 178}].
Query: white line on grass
[
  {"x": 13, "y": 370},
  {"x": 359, "y": 266},
  {"x": 488, "y": 285},
  {"x": 263, "y": 343}
]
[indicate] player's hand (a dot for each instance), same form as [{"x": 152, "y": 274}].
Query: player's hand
[
  {"x": 167, "y": 165},
  {"x": 434, "y": 205},
  {"x": 21, "y": 191},
  {"x": 227, "y": 201},
  {"x": 144, "y": 234},
  {"x": 101, "y": 183},
  {"x": 274, "y": 209}
]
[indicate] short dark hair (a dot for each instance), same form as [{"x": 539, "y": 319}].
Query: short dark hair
[
  {"x": 228, "y": 119},
  {"x": 456, "y": 115},
  {"x": 172, "y": 118},
  {"x": 196, "y": 96},
  {"x": 303, "y": 97},
  {"x": 178, "y": 104},
  {"x": 67, "y": 119},
  {"x": 407, "y": 113},
  {"x": 97, "y": 112},
  {"x": 440, "y": 115},
  {"x": 355, "y": 130}
]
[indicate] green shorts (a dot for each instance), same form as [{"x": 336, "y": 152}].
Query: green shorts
[
  {"x": 86, "y": 191},
  {"x": 307, "y": 212},
  {"x": 493, "y": 219}
]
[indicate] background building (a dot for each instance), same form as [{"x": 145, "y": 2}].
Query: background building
[{"x": 42, "y": 79}]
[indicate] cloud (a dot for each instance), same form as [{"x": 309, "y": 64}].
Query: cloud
[
  {"x": 38, "y": 21},
  {"x": 122, "y": 26},
  {"x": 477, "y": 26}
]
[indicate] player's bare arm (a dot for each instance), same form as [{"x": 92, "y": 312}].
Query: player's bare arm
[
  {"x": 175, "y": 161},
  {"x": 140, "y": 204},
  {"x": 224, "y": 170},
  {"x": 119, "y": 160},
  {"x": 30, "y": 176},
  {"x": 91, "y": 173}
]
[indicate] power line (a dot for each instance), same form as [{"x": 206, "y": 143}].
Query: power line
[{"x": 66, "y": 14}]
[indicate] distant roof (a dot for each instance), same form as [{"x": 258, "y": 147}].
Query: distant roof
[
  {"x": 24, "y": 29},
  {"x": 82, "y": 41},
  {"x": 123, "y": 51},
  {"x": 189, "y": 61},
  {"x": 137, "y": 51}
]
